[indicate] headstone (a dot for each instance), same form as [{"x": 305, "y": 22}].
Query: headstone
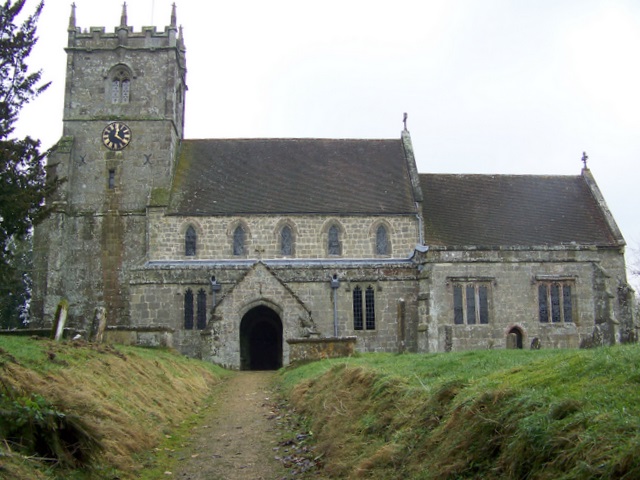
[
  {"x": 101, "y": 324},
  {"x": 60, "y": 320}
]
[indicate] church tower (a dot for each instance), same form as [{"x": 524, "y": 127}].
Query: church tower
[{"x": 123, "y": 122}]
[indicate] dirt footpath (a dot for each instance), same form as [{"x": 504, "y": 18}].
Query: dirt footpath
[{"x": 238, "y": 439}]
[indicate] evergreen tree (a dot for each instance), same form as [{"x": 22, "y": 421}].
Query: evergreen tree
[{"x": 23, "y": 185}]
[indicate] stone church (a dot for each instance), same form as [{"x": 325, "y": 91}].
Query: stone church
[{"x": 238, "y": 251}]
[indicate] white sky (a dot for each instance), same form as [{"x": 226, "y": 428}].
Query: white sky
[{"x": 490, "y": 86}]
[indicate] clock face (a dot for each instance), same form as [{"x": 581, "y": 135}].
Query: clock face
[{"x": 116, "y": 136}]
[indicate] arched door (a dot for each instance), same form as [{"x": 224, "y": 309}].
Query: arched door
[
  {"x": 260, "y": 340},
  {"x": 514, "y": 338}
]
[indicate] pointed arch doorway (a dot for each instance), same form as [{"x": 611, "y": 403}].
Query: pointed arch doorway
[
  {"x": 260, "y": 340},
  {"x": 514, "y": 338}
]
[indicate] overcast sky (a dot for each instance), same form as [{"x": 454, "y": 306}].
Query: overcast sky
[{"x": 490, "y": 86}]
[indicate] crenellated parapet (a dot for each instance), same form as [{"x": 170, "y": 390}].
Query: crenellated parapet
[{"x": 124, "y": 35}]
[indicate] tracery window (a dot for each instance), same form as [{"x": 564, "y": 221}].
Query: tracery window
[
  {"x": 238, "y": 241},
  {"x": 370, "y": 310},
  {"x": 188, "y": 310},
  {"x": 190, "y": 239},
  {"x": 120, "y": 86},
  {"x": 555, "y": 302},
  {"x": 364, "y": 318},
  {"x": 471, "y": 303},
  {"x": 201, "y": 319},
  {"x": 286, "y": 241},
  {"x": 334, "y": 247},
  {"x": 382, "y": 241}
]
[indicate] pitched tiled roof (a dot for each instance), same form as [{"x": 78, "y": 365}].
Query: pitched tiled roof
[
  {"x": 510, "y": 210},
  {"x": 256, "y": 176}
]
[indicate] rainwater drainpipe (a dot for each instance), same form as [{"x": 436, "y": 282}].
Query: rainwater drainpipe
[
  {"x": 335, "y": 284},
  {"x": 215, "y": 287}
]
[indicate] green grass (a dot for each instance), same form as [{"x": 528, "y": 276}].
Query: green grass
[
  {"x": 126, "y": 398},
  {"x": 485, "y": 414}
]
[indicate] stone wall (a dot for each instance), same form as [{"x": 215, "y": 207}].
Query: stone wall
[
  {"x": 215, "y": 236},
  {"x": 309, "y": 349},
  {"x": 512, "y": 278},
  {"x": 297, "y": 293}
]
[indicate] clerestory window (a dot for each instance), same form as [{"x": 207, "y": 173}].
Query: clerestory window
[
  {"x": 334, "y": 246},
  {"x": 382, "y": 241},
  {"x": 190, "y": 240},
  {"x": 286, "y": 241},
  {"x": 238, "y": 241}
]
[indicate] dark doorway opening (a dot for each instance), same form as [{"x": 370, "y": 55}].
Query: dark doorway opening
[
  {"x": 514, "y": 338},
  {"x": 260, "y": 340}
]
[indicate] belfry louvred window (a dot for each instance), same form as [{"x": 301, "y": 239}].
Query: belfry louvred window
[{"x": 120, "y": 86}]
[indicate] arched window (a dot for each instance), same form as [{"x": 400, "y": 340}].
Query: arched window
[
  {"x": 120, "y": 86},
  {"x": 188, "y": 310},
  {"x": 357, "y": 308},
  {"x": 370, "y": 309},
  {"x": 190, "y": 238},
  {"x": 334, "y": 246},
  {"x": 382, "y": 241},
  {"x": 364, "y": 318},
  {"x": 202, "y": 310},
  {"x": 238, "y": 241},
  {"x": 286, "y": 241}
]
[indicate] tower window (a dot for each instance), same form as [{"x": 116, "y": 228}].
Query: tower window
[
  {"x": 120, "y": 86},
  {"x": 190, "y": 238},
  {"x": 112, "y": 178}
]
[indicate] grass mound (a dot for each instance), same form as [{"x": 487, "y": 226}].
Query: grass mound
[
  {"x": 562, "y": 414},
  {"x": 77, "y": 410}
]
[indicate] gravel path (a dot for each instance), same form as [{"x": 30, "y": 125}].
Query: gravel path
[{"x": 237, "y": 439}]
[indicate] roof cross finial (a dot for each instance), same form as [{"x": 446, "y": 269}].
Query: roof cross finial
[
  {"x": 584, "y": 159},
  {"x": 404, "y": 120}
]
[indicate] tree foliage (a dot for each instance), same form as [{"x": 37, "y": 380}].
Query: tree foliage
[{"x": 23, "y": 185}]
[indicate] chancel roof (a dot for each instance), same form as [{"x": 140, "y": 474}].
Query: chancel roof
[
  {"x": 513, "y": 210},
  {"x": 291, "y": 176}
]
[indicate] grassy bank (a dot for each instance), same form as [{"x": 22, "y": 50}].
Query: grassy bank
[
  {"x": 73, "y": 410},
  {"x": 548, "y": 414}
]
